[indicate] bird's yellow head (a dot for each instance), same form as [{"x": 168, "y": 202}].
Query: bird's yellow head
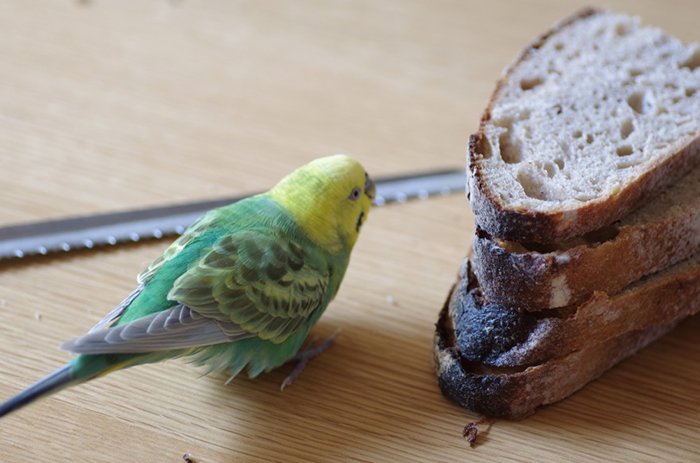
[{"x": 329, "y": 198}]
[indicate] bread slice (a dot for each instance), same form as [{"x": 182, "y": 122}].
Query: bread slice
[
  {"x": 488, "y": 333},
  {"x": 530, "y": 277},
  {"x": 593, "y": 119},
  {"x": 515, "y": 393}
]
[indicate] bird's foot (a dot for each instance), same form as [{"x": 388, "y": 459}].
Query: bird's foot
[{"x": 302, "y": 357}]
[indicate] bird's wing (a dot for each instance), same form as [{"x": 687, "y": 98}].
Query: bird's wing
[
  {"x": 248, "y": 284},
  {"x": 264, "y": 284},
  {"x": 117, "y": 311},
  {"x": 197, "y": 229},
  {"x": 178, "y": 327}
]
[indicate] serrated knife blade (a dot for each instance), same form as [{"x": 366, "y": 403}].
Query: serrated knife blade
[{"x": 50, "y": 236}]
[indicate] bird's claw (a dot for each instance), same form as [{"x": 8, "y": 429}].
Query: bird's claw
[{"x": 302, "y": 358}]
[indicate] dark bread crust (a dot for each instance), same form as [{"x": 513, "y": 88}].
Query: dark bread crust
[
  {"x": 527, "y": 281},
  {"x": 488, "y": 333},
  {"x": 515, "y": 394},
  {"x": 524, "y": 225},
  {"x": 523, "y": 281},
  {"x": 485, "y": 332}
]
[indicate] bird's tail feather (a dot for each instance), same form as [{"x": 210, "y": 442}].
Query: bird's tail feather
[
  {"x": 81, "y": 369},
  {"x": 59, "y": 379}
]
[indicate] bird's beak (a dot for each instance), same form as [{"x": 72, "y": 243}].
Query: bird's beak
[{"x": 370, "y": 187}]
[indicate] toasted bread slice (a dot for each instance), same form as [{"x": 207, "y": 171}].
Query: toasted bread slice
[
  {"x": 530, "y": 277},
  {"x": 593, "y": 119},
  {"x": 515, "y": 393},
  {"x": 488, "y": 333}
]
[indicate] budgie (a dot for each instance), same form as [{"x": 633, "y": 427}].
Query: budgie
[{"x": 240, "y": 288}]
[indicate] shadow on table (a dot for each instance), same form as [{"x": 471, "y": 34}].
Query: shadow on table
[{"x": 352, "y": 402}]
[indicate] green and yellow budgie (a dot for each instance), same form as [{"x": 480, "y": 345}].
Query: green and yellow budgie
[{"x": 240, "y": 288}]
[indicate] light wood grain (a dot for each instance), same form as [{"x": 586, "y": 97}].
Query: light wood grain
[{"x": 108, "y": 105}]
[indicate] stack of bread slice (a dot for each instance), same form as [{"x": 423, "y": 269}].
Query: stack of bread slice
[{"x": 584, "y": 178}]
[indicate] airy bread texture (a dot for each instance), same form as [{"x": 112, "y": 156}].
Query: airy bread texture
[
  {"x": 528, "y": 277},
  {"x": 593, "y": 119}
]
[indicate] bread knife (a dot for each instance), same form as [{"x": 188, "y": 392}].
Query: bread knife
[{"x": 17, "y": 241}]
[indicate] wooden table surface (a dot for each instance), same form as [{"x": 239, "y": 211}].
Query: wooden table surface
[{"x": 111, "y": 105}]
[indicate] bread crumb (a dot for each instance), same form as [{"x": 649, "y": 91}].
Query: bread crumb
[
  {"x": 3, "y": 303},
  {"x": 390, "y": 299},
  {"x": 470, "y": 431},
  {"x": 37, "y": 315}
]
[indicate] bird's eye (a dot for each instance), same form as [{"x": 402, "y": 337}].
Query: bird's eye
[{"x": 355, "y": 194}]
